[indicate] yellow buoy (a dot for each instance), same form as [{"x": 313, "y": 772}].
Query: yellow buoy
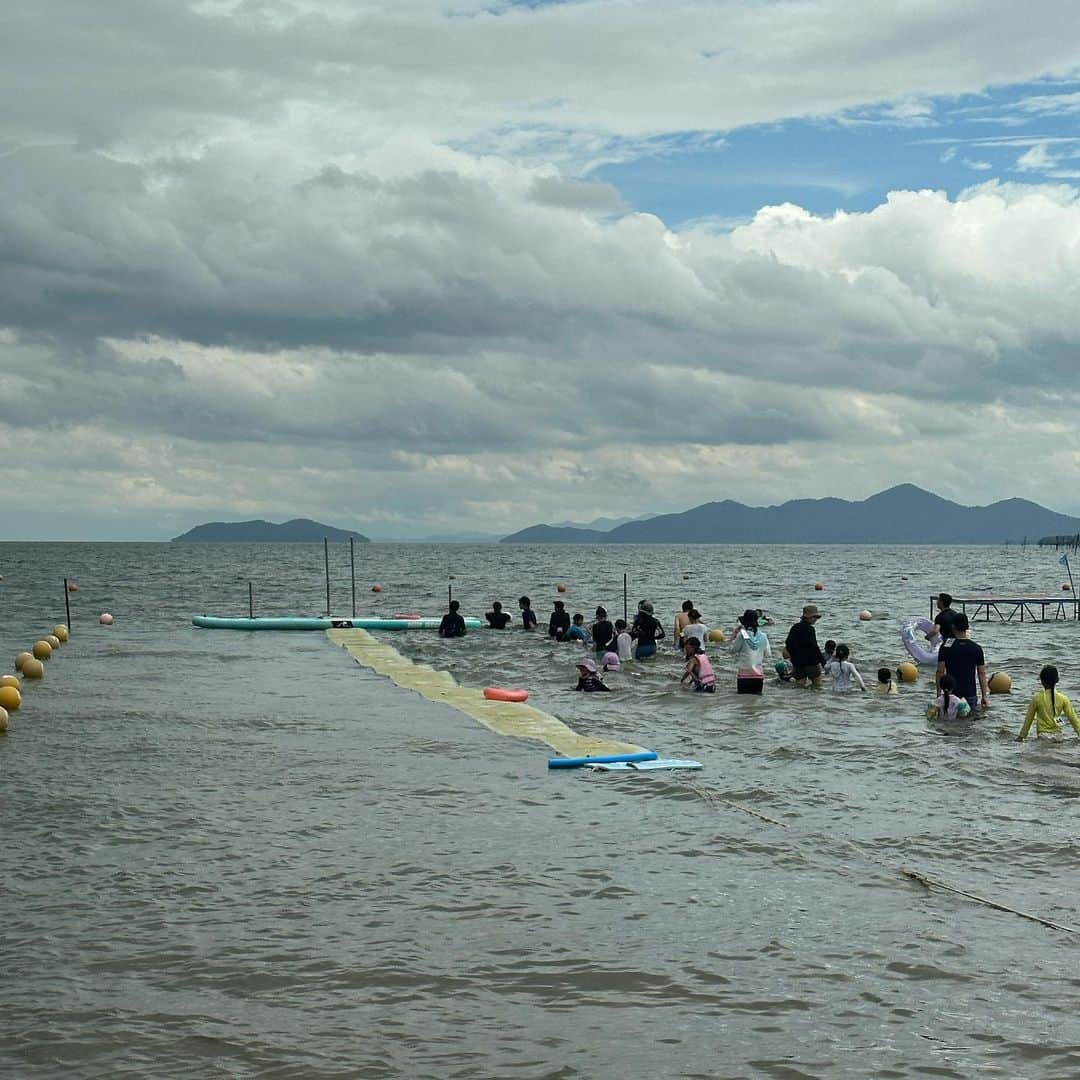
[
  {"x": 61, "y": 631},
  {"x": 10, "y": 680},
  {"x": 3, "y": 721},
  {"x": 53, "y": 640},
  {"x": 907, "y": 671},
  {"x": 21, "y": 659},
  {"x": 1000, "y": 683},
  {"x": 42, "y": 650},
  {"x": 10, "y": 698},
  {"x": 33, "y": 669},
  {"x": 376, "y": 588},
  {"x": 718, "y": 636}
]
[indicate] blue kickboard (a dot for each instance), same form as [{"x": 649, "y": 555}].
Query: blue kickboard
[
  {"x": 642, "y": 766},
  {"x": 603, "y": 759}
]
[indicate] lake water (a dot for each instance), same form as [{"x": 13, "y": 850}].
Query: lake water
[{"x": 243, "y": 855}]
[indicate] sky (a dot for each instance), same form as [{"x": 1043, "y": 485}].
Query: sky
[{"x": 416, "y": 267}]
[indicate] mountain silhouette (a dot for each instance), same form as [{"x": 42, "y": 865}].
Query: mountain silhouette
[{"x": 297, "y": 531}]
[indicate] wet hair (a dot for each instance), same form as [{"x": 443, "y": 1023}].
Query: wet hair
[
  {"x": 961, "y": 623},
  {"x": 559, "y": 605},
  {"x": 578, "y": 617},
  {"x": 695, "y": 615},
  {"x": 695, "y": 644},
  {"x": 688, "y": 606},
  {"x": 884, "y": 675},
  {"x": 944, "y": 599},
  {"x": 454, "y": 605},
  {"x": 842, "y": 653},
  {"x": 1049, "y": 678},
  {"x": 496, "y": 605},
  {"x": 601, "y": 613},
  {"x": 830, "y": 647},
  {"x": 524, "y": 601},
  {"x": 948, "y": 685},
  {"x": 620, "y": 624}
]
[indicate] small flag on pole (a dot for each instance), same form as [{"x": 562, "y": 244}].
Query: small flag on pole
[{"x": 1064, "y": 560}]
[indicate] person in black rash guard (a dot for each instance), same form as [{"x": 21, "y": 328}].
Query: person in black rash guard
[
  {"x": 496, "y": 617},
  {"x": 945, "y": 619},
  {"x": 803, "y": 650},
  {"x": 646, "y": 631},
  {"x": 528, "y": 616},
  {"x": 452, "y": 625},
  {"x": 559, "y": 623},
  {"x": 963, "y": 659},
  {"x": 603, "y": 633}
]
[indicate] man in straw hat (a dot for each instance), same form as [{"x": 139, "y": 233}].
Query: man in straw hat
[{"x": 802, "y": 648}]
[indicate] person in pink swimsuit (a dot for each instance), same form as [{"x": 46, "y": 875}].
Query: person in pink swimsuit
[{"x": 698, "y": 671}]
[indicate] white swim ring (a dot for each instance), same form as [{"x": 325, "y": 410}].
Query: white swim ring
[{"x": 913, "y": 634}]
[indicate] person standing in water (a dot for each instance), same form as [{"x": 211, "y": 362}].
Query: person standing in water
[
  {"x": 695, "y": 627},
  {"x": 682, "y": 620},
  {"x": 528, "y": 616},
  {"x": 963, "y": 659},
  {"x": 624, "y": 645},
  {"x": 559, "y": 623},
  {"x": 803, "y": 650},
  {"x": 1046, "y": 706},
  {"x": 603, "y": 633},
  {"x": 452, "y": 625},
  {"x": 646, "y": 631},
  {"x": 496, "y": 617},
  {"x": 698, "y": 671},
  {"x": 945, "y": 617},
  {"x": 750, "y": 647},
  {"x": 844, "y": 674}
]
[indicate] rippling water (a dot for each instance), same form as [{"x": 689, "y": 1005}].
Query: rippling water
[{"x": 234, "y": 855}]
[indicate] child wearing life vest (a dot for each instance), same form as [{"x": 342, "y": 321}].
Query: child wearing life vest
[
  {"x": 1046, "y": 706},
  {"x": 698, "y": 671}
]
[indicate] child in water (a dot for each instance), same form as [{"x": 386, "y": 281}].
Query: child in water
[
  {"x": 588, "y": 679},
  {"x": 947, "y": 706},
  {"x": 623, "y": 641},
  {"x": 698, "y": 670},
  {"x": 577, "y": 630},
  {"x": 843, "y": 672},
  {"x": 1046, "y": 706},
  {"x": 829, "y": 652},
  {"x": 886, "y": 684}
]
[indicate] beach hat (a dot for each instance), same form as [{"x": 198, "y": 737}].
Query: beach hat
[
  {"x": 645, "y": 606},
  {"x": 587, "y": 664},
  {"x": 611, "y": 661},
  {"x": 811, "y": 612},
  {"x": 750, "y": 617}
]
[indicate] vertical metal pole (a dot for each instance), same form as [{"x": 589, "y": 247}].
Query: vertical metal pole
[
  {"x": 625, "y": 606},
  {"x": 67, "y": 602},
  {"x": 449, "y": 593},
  {"x": 251, "y": 601},
  {"x": 352, "y": 568},
  {"x": 326, "y": 563}
]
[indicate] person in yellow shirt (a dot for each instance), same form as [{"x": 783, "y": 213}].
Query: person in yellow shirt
[{"x": 1046, "y": 706}]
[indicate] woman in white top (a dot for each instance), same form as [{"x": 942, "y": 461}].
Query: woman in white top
[
  {"x": 695, "y": 628},
  {"x": 843, "y": 672},
  {"x": 750, "y": 647}
]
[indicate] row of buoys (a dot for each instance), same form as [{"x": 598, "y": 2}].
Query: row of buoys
[{"x": 32, "y": 665}]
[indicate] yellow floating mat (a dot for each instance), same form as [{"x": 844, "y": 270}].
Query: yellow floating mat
[{"x": 504, "y": 717}]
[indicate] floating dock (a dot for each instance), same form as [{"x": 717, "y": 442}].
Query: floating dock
[{"x": 1014, "y": 608}]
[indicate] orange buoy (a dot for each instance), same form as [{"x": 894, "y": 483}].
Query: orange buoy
[
  {"x": 818, "y": 587},
  {"x": 496, "y": 693},
  {"x": 376, "y": 588},
  {"x": 560, "y": 588},
  {"x": 72, "y": 587}
]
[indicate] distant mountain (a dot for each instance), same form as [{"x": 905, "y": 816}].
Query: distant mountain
[
  {"x": 602, "y": 524},
  {"x": 901, "y": 515},
  {"x": 297, "y": 531}
]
